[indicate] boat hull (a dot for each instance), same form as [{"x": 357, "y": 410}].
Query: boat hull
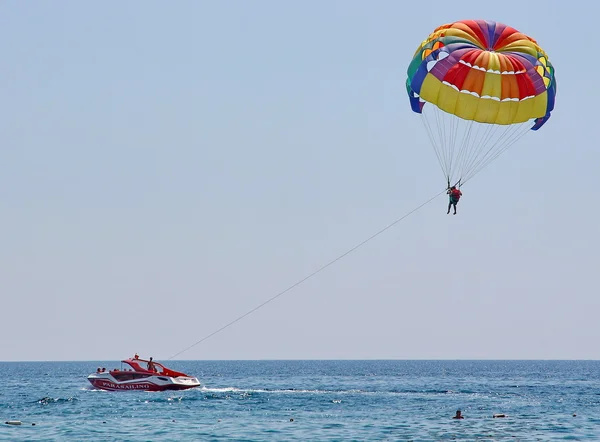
[{"x": 151, "y": 383}]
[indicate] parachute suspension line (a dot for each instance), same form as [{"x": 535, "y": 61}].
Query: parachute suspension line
[
  {"x": 436, "y": 147},
  {"x": 440, "y": 127},
  {"x": 455, "y": 127},
  {"x": 491, "y": 132},
  {"x": 464, "y": 145},
  {"x": 443, "y": 116},
  {"x": 446, "y": 140},
  {"x": 452, "y": 135},
  {"x": 444, "y": 143},
  {"x": 518, "y": 133},
  {"x": 510, "y": 137},
  {"x": 477, "y": 145},
  {"x": 477, "y": 159},
  {"x": 320, "y": 269},
  {"x": 466, "y": 148}
]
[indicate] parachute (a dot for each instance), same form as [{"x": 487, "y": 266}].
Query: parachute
[{"x": 479, "y": 86}]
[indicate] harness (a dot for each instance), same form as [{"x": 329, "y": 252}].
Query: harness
[{"x": 455, "y": 195}]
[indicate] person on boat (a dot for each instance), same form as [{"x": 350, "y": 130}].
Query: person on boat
[
  {"x": 151, "y": 366},
  {"x": 458, "y": 415},
  {"x": 136, "y": 356},
  {"x": 454, "y": 195}
]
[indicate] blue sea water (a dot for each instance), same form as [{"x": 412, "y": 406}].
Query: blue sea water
[{"x": 310, "y": 401}]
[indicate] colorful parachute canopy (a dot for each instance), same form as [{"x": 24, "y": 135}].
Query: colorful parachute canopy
[{"x": 479, "y": 72}]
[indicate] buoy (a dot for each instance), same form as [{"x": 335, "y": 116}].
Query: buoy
[{"x": 13, "y": 422}]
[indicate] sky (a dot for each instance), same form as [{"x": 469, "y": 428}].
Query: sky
[{"x": 166, "y": 167}]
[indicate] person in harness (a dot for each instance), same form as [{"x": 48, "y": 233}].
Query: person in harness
[{"x": 454, "y": 195}]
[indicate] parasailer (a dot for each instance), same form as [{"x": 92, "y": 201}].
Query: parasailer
[
  {"x": 479, "y": 87},
  {"x": 454, "y": 195}
]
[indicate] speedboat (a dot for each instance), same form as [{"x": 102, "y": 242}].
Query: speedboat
[{"x": 155, "y": 377}]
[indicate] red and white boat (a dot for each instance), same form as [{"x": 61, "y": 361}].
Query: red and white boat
[{"x": 152, "y": 377}]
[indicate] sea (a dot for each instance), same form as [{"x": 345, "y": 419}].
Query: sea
[{"x": 313, "y": 400}]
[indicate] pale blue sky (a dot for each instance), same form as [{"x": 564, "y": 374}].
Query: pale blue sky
[{"x": 167, "y": 166}]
